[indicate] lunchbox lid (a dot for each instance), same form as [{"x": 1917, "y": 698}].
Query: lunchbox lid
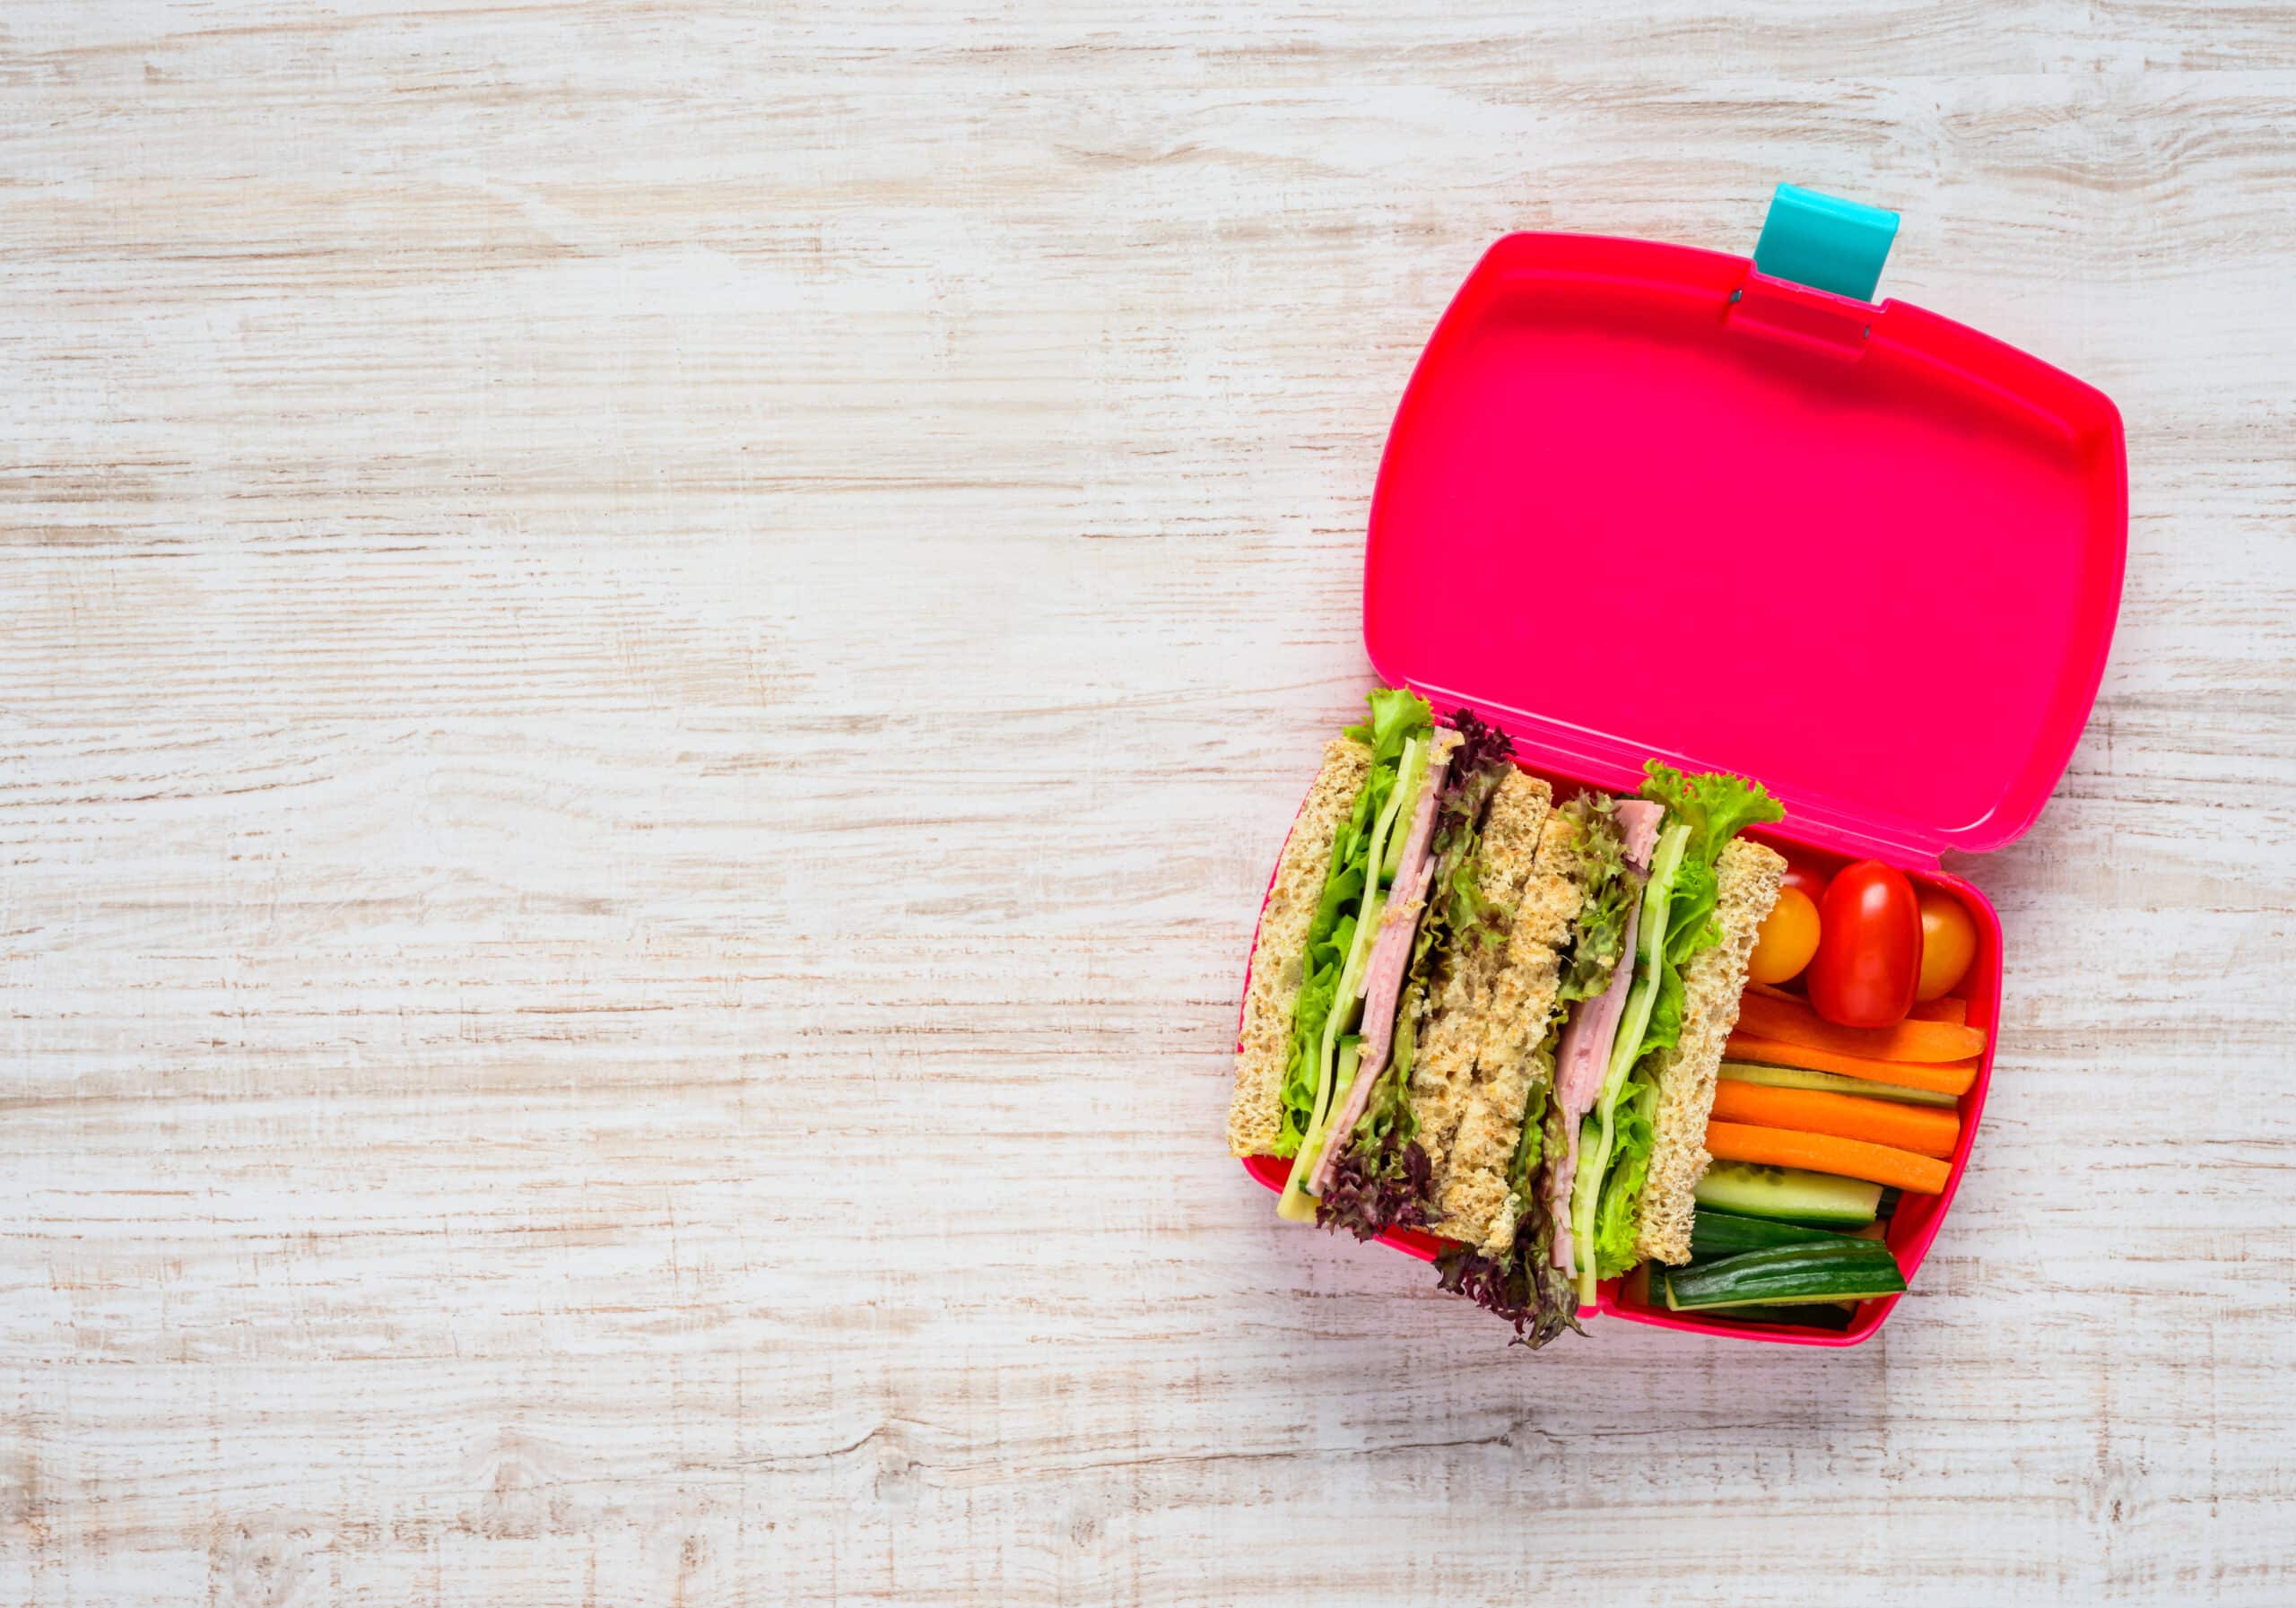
[{"x": 1645, "y": 498}]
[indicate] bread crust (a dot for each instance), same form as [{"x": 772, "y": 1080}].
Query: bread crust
[
  {"x": 1264, "y": 1047},
  {"x": 1749, "y": 875}
]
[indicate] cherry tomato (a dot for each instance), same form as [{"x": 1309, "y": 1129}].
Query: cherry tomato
[
  {"x": 1809, "y": 879},
  {"x": 1869, "y": 947},
  {"x": 1948, "y": 944},
  {"x": 1787, "y": 939}
]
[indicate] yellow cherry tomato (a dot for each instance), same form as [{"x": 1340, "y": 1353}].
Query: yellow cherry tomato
[
  {"x": 1948, "y": 944},
  {"x": 1787, "y": 939}
]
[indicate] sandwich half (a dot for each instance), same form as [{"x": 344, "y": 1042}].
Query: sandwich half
[
  {"x": 1377, "y": 895},
  {"x": 1576, "y": 909},
  {"x": 1670, "y": 900}
]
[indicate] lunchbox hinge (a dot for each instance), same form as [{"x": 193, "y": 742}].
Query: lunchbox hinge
[{"x": 1816, "y": 321}]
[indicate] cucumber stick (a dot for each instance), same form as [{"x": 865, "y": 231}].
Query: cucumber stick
[
  {"x": 1724, "y": 1234},
  {"x": 1296, "y": 1205},
  {"x": 1788, "y": 1193},
  {"x": 1830, "y": 1083},
  {"x": 1404, "y": 803},
  {"x": 1345, "y": 1007},
  {"x": 1814, "y": 1314},
  {"x": 1787, "y": 1275}
]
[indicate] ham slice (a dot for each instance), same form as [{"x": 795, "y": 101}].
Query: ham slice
[
  {"x": 1383, "y": 973},
  {"x": 1638, "y": 825},
  {"x": 1583, "y": 1055},
  {"x": 1580, "y": 1062}
]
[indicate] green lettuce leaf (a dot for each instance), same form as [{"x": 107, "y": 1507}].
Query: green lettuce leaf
[
  {"x": 1598, "y": 936},
  {"x": 1690, "y": 918},
  {"x": 1716, "y": 806},
  {"x": 1328, "y": 937},
  {"x": 1389, "y": 1115},
  {"x": 1530, "y": 1145},
  {"x": 1666, "y": 1028},
  {"x": 1615, "y": 1216},
  {"x": 1397, "y": 712}
]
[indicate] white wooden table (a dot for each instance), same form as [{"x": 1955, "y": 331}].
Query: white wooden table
[{"x": 650, "y": 659}]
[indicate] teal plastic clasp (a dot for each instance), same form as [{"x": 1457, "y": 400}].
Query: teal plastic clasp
[{"x": 1825, "y": 242}]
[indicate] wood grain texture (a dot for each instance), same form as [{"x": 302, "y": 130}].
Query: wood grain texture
[{"x": 651, "y": 656}]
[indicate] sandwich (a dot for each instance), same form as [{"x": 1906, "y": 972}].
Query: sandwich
[{"x": 1494, "y": 1017}]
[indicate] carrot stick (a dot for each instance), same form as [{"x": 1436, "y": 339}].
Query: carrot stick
[
  {"x": 1821, "y": 1152},
  {"x": 1925, "y": 1130},
  {"x": 1951, "y": 1077},
  {"x": 1953, "y": 1010},
  {"x": 1909, "y": 1040}
]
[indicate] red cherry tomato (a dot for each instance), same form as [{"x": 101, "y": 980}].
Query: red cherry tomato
[
  {"x": 1869, "y": 947},
  {"x": 1809, "y": 879}
]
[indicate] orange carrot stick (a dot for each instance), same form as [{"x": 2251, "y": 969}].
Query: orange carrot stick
[
  {"x": 1821, "y": 1152},
  {"x": 1951, "y": 1077},
  {"x": 1925, "y": 1130},
  {"x": 1909, "y": 1040},
  {"x": 1955, "y": 1011}
]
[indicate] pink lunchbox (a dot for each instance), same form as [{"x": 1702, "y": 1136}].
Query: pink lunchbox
[{"x": 1643, "y": 499}]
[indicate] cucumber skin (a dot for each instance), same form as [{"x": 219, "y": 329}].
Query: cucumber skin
[
  {"x": 1817, "y": 1315},
  {"x": 1715, "y": 1234},
  {"x": 1746, "y": 1190},
  {"x": 1831, "y": 1082},
  {"x": 1788, "y": 1276}
]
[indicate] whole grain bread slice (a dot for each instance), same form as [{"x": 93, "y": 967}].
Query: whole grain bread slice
[
  {"x": 1478, "y": 1207},
  {"x": 1749, "y": 875},
  {"x": 1470, "y": 1110},
  {"x": 1264, "y": 1049}
]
